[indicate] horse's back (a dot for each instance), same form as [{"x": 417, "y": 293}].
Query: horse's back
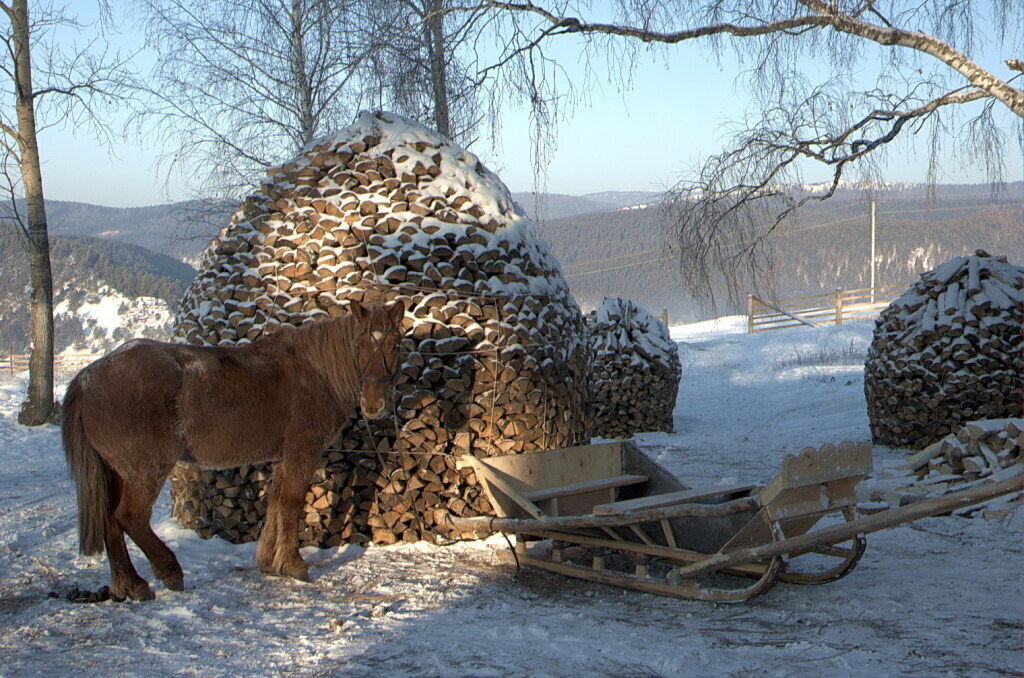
[
  {"x": 239, "y": 404},
  {"x": 219, "y": 406},
  {"x": 126, "y": 401}
]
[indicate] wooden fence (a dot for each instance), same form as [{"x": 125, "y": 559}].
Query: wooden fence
[
  {"x": 820, "y": 310},
  {"x": 18, "y": 362}
]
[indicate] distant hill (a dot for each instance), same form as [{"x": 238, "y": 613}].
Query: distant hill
[
  {"x": 626, "y": 252},
  {"x": 181, "y": 230},
  {"x": 558, "y": 206},
  {"x": 104, "y": 292}
]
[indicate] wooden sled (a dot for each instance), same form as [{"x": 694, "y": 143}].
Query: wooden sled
[{"x": 611, "y": 514}]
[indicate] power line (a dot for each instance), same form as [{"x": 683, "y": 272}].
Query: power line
[
  {"x": 615, "y": 268},
  {"x": 620, "y": 256},
  {"x": 952, "y": 209}
]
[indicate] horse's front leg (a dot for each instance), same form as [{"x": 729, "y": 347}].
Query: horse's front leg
[{"x": 277, "y": 553}]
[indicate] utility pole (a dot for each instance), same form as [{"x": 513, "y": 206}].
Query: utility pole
[{"x": 872, "y": 251}]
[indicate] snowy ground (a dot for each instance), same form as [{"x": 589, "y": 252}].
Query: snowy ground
[{"x": 940, "y": 597}]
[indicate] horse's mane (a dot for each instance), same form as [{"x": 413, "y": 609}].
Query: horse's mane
[{"x": 330, "y": 347}]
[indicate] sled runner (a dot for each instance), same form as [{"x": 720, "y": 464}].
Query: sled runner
[{"x": 611, "y": 514}]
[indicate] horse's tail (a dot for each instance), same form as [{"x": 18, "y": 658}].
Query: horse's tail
[{"x": 91, "y": 474}]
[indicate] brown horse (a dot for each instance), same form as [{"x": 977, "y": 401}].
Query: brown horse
[{"x": 129, "y": 417}]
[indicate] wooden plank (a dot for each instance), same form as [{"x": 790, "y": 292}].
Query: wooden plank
[
  {"x": 680, "y": 588},
  {"x": 782, "y": 326},
  {"x": 660, "y": 480},
  {"x": 499, "y": 483},
  {"x": 555, "y": 468},
  {"x": 668, "y": 553},
  {"x": 878, "y": 290},
  {"x": 757, "y": 531},
  {"x": 580, "y": 488},
  {"x": 814, "y": 467},
  {"x": 794, "y": 317},
  {"x": 514, "y": 525},
  {"x": 808, "y": 308},
  {"x": 867, "y": 297},
  {"x": 660, "y": 500},
  {"x": 824, "y": 309},
  {"x": 835, "y": 534},
  {"x": 813, "y": 297},
  {"x": 816, "y": 311},
  {"x": 670, "y": 536},
  {"x": 813, "y": 499}
]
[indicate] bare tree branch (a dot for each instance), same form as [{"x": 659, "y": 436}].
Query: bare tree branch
[{"x": 724, "y": 213}]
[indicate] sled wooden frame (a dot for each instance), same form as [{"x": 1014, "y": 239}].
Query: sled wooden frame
[{"x": 609, "y": 513}]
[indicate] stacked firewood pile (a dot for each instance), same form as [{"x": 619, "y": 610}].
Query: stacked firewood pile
[
  {"x": 635, "y": 377},
  {"x": 495, "y": 359},
  {"x": 948, "y": 351},
  {"x": 985, "y": 450}
]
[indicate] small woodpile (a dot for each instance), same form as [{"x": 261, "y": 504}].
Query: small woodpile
[
  {"x": 636, "y": 372},
  {"x": 978, "y": 450},
  {"x": 948, "y": 351},
  {"x": 495, "y": 359},
  {"x": 984, "y": 450}
]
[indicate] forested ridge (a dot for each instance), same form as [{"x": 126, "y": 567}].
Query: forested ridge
[
  {"x": 628, "y": 252},
  {"x": 80, "y": 265},
  {"x": 180, "y": 230}
]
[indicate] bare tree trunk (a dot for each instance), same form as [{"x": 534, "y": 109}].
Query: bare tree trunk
[
  {"x": 303, "y": 91},
  {"x": 434, "y": 38},
  {"x": 38, "y": 408}
]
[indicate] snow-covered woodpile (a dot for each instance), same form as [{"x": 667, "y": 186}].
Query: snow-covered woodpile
[
  {"x": 948, "y": 351},
  {"x": 635, "y": 377},
  {"x": 495, "y": 360},
  {"x": 985, "y": 450}
]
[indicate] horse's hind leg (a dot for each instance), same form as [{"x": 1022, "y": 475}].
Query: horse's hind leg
[
  {"x": 134, "y": 513},
  {"x": 266, "y": 547},
  {"x": 125, "y": 582}
]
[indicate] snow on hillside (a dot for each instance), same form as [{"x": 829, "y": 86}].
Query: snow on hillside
[
  {"x": 101, "y": 319},
  {"x": 939, "y": 597}
]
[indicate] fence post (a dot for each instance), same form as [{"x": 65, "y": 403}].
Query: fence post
[
  {"x": 839, "y": 306},
  {"x": 664, "y": 317},
  {"x": 750, "y": 314}
]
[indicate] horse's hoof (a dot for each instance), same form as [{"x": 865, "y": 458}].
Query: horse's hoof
[
  {"x": 139, "y": 591},
  {"x": 174, "y": 583},
  {"x": 300, "y": 574}
]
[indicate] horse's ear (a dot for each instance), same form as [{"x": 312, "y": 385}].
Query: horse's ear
[
  {"x": 396, "y": 311},
  {"x": 358, "y": 311}
]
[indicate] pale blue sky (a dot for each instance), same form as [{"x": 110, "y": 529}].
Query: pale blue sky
[{"x": 635, "y": 139}]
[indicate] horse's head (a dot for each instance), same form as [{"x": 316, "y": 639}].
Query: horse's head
[{"x": 377, "y": 339}]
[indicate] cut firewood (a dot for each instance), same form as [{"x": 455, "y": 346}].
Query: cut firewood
[
  {"x": 636, "y": 372},
  {"x": 950, "y": 350},
  {"x": 389, "y": 210}
]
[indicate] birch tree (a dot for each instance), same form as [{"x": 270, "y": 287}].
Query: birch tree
[
  {"x": 50, "y": 82},
  {"x": 240, "y": 84},
  {"x": 832, "y": 85},
  {"x": 425, "y": 64}
]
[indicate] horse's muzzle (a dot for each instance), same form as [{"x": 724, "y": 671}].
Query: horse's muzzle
[{"x": 372, "y": 413}]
